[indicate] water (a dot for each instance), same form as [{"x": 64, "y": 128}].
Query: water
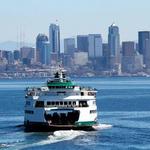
[{"x": 123, "y": 112}]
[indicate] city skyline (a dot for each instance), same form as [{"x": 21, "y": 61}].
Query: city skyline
[{"x": 74, "y": 18}]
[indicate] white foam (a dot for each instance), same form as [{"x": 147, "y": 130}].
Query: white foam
[
  {"x": 102, "y": 126},
  {"x": 61, "y": 135}
]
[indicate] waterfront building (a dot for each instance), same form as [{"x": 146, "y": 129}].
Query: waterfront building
[
  {"x": 54, "y": 39},
  {"x": 69, "y": 46},
  {"x": 82, "y": 43}
]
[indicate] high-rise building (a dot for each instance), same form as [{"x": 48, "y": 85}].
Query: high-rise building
[
  {"x": 46, "y": 54},
  {"x": 142, "y": 37},
  {"x": 147, "y": 53},
  {"x": 114, "y": 41},
  {"x": 42, "y": 49},
  {"x": 105, "y": 50},
  {"x": 69, "y": 45},
  {"x": 82, "y": 43},
  {"x": 27, "y": 54},
  {"x": 9, "y": 56},
  {"x": 95, "y": 46},
  {"x": 128, "y": 48},
  {"x": 54, "y": 39},
  {"x": 16, "y": 55}
]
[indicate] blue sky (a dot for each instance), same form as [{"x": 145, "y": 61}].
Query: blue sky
[{"x": 74, "y": 17}]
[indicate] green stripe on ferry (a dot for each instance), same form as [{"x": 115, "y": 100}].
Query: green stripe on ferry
[{"x": 86, "y": 123}]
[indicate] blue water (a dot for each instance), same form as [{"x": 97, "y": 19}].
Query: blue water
[{"x": 123, "y": 113}]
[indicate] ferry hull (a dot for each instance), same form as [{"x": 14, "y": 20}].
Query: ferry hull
[{"x": 45, "y": 127}]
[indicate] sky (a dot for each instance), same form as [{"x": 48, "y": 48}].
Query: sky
[{"x": 24, "y": 19}]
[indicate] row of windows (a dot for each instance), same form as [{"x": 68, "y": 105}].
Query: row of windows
[
  {"x": 62, "y": 103},
  {"x": 61, "y": 87},
  {"x": 29, "y": 112}
]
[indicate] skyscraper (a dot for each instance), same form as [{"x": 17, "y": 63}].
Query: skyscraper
[
  {"x": 95, "y": 46},
  {"x": 54, "y": 39},
  {"x": 42, "y": 49},
  {"x": 147, "y": 53},
  {"x": 143, "y": 36},
  {"x": 16, "y": 55},
  {"x": 82, "y": 43},
  {"x": 69, "y": 45},
  {"x": 114, "y": 41},
  {"x": 128, "y": 48}
]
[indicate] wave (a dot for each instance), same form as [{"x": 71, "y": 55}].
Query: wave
[
  {"x": 57, "y": 136},
  {"x": 102, "y": 126},
  {"x": 61, "y": 135}
]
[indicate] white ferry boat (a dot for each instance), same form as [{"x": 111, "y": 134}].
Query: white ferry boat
[{"x": 60, "y": 105}]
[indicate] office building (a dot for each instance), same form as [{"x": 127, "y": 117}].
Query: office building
[
  {"x": 54, "y": 39},
  {"x": 147, "y": 53},
  {"x": 42, "y": 49},
  {"x": 16, "y": 55},
  {"x": 27, "y": 55},
  {"x": 142, "y": 37},
  {"x": 69, "y": 46},
  {"x": 114, "y": 42},
  {"x": 82, "y": 43},
  {"x": 128, "y": 48},
  {"x": 95, "y": 46}
]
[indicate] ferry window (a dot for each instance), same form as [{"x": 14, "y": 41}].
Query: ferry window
[
  {"x": 39, "y": 104},
  {"x": 57, "y": 103},
  {"x": 65, "y": 103},
  {"x": 53, "y": 103},
  {"x": 82, "y": 93},
  {"x": 69, "y": 103},
  {"x": 83, "y": 104},
  {"x": 61, "y": 103},
  {"x": 74, "y": 103},
  {"x": 92, "y": 111},
  {"x": 94, "y": 102},
  {"x": 48, "y": 103}
]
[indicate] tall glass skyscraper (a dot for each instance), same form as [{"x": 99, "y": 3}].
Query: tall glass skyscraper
[
  {"x": 82, "y": 43},
  {"x": 142, "y": 37},
  {"x": 143, "y": 45},
  {"x": 69, "y": 46},
  {"x": 54, "y": 38},
  {"x": 42, "y": 50},
  {"x": 95, "y": 45},
  {"x": 114, "y": 41}
]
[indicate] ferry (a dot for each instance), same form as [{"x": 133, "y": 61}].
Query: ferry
[{"x": 60, "y": 105}]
